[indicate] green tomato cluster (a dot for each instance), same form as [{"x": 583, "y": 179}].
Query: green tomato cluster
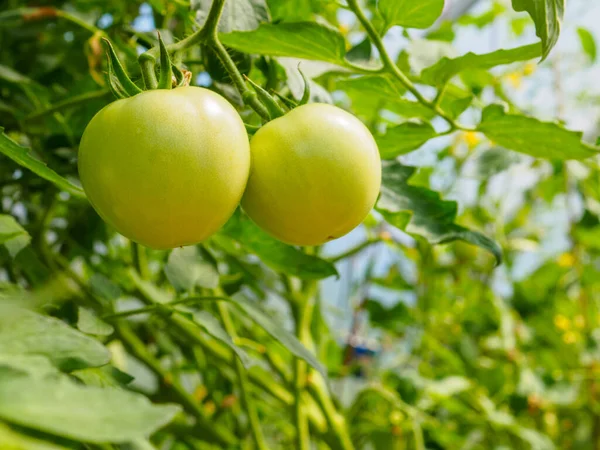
[{"x": 167, "y": 168}]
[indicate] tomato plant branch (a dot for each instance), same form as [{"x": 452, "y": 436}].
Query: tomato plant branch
[
  {"x": 305, "y": 301},
  {"x": 257, "y": 434},
  {"x": 68, "y": 103},
  {"x": 213, "y": 348},
  {"x": 137, "y": 348},
  {"x": 208, "y": 34},
  {"x": 155, "y": 307},
  {"x": 140, "y": 260},
  {"x": 395, "y": 71},
  {"x": 354, "y": 250},
  {"x": 335, "y": 421},
  {"x": 48, "y": 12}
]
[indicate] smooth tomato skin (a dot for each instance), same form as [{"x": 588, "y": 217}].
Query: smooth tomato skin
[
  {"x": 165, "y": 168},
  {"x": 315, "y": 175}
]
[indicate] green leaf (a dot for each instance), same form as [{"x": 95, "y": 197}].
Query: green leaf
[
  {"x": 533, "y": 137},
  {"x": 237, "y": 15},
  {"x": 493, "y": 161},
  {"x": 33, "y": 365},
  {"x": 213, "y": 327},
  {"x": 13, "y": 440},
  {"x": 276, "y": 330},
  {"x": 104, "y": 287},
  {"x": 393, "y": 280},
  {"x": 361, "y": 52},
  {"x": 374, "y": 92},
  {"x": 446, "y": 68},
  {"x": 307, "y": 40},
  {"x": 186, "y": 269},
  {"x": 12, "y": 235},
  {"x": 89, "y": 323},
  {"x": 421, "y": 211},
  {"x": 410, "y": 13},
  {"x": 404, "y": 138},
  {"x": 290, "y": 10},
  {"x": 105, "y": 376},
  {"x": 27, "y": 333},
  {"x": 275, "y": 254},
  {"x": 455, "y": 100},
  {"x": 371, "y": 85},
  {"x": 588, "y": 43},
  {"x": 12, "y": 76},
  {"x": 85, "y": 413},
  {"x": 547, "y": 16},
  {"x": 394, "y": 319},
  {"x": 21, "y": 156}
]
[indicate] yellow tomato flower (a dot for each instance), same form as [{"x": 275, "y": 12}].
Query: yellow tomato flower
[
  {"x": 396, "y": 417},
  {"x": 570, "y": 337},
  {"x": 566, "y": 260},
  {"x": 471, "y": 138},
  {"x": 529, "y": 69},
  {"x": 515, "y": 79},
  {"x": 562, "y": 322}
]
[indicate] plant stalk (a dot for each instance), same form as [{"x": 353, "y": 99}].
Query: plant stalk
[
  {"x": 247, "y": 400},
  {"x": 395, "y": 71}
]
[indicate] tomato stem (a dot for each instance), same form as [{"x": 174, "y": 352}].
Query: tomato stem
[
  {"x": 247, "y": 400},
  {"x": 390, "y": 66},
  {"x": 207, "y": 34}
]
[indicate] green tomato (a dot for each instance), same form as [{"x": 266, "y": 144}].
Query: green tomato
[
  {"x": 315, "y": 175},
  {"x": 165, "y": 168}
]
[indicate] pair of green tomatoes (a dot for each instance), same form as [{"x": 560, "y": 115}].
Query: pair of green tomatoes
[{"x": 167, "y": 168}]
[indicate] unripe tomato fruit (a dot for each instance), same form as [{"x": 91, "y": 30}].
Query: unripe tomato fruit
[
  {"x": 315, "y": 175},
  {"x": 165, "y": 168}
]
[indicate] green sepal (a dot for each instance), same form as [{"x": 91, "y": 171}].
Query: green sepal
[
  {"x": 117, "y": 73},
  {"x": 251, "y": 129},
  {"x": 306, "y": 94},
  {"x": 289, "y": 103},
  {"x": 166, "y": 72},
  {"x": 270, "y": 103},
  {"x": 179, "y": 78},
  {"x": 113, "y": 83}
]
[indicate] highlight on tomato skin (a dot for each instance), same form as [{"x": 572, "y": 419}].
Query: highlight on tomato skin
[
  {"x": 165, "y": 168},
  {"x": 315, "y": 175}
]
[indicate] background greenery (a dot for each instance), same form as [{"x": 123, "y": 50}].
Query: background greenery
[{"x": 381, "y": 340}]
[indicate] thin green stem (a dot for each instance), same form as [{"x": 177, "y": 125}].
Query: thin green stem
[
  {"x": 440, "y": 94},
  {"x": 304, "y": 313},
  {"x": 140, "y": 260},
  {"x": 68, "y": 103},
  {"x": 208, "y": 35},
  {"x": 82, "y": 23},
  {"x": 148, "y": 73},
  {"x": 213, "y": 348},
  {"x": 136, "y": 347},
  {"x": 354, "y": 250},
  {"x": 393, "y": 68},
  {"x": 247, "y": 400},
  {"x": 248, "y": 95},
  {"x": 335, "y": 421},
  {"x": 151, "y": 308}
]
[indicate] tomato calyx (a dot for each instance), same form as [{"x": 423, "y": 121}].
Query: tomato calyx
[
  {"x": 122, "y": 86},
  {"x": 276, "y": 103}
]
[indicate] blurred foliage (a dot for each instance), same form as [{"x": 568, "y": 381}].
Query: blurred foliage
[{"x": 424, "y": 346}]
